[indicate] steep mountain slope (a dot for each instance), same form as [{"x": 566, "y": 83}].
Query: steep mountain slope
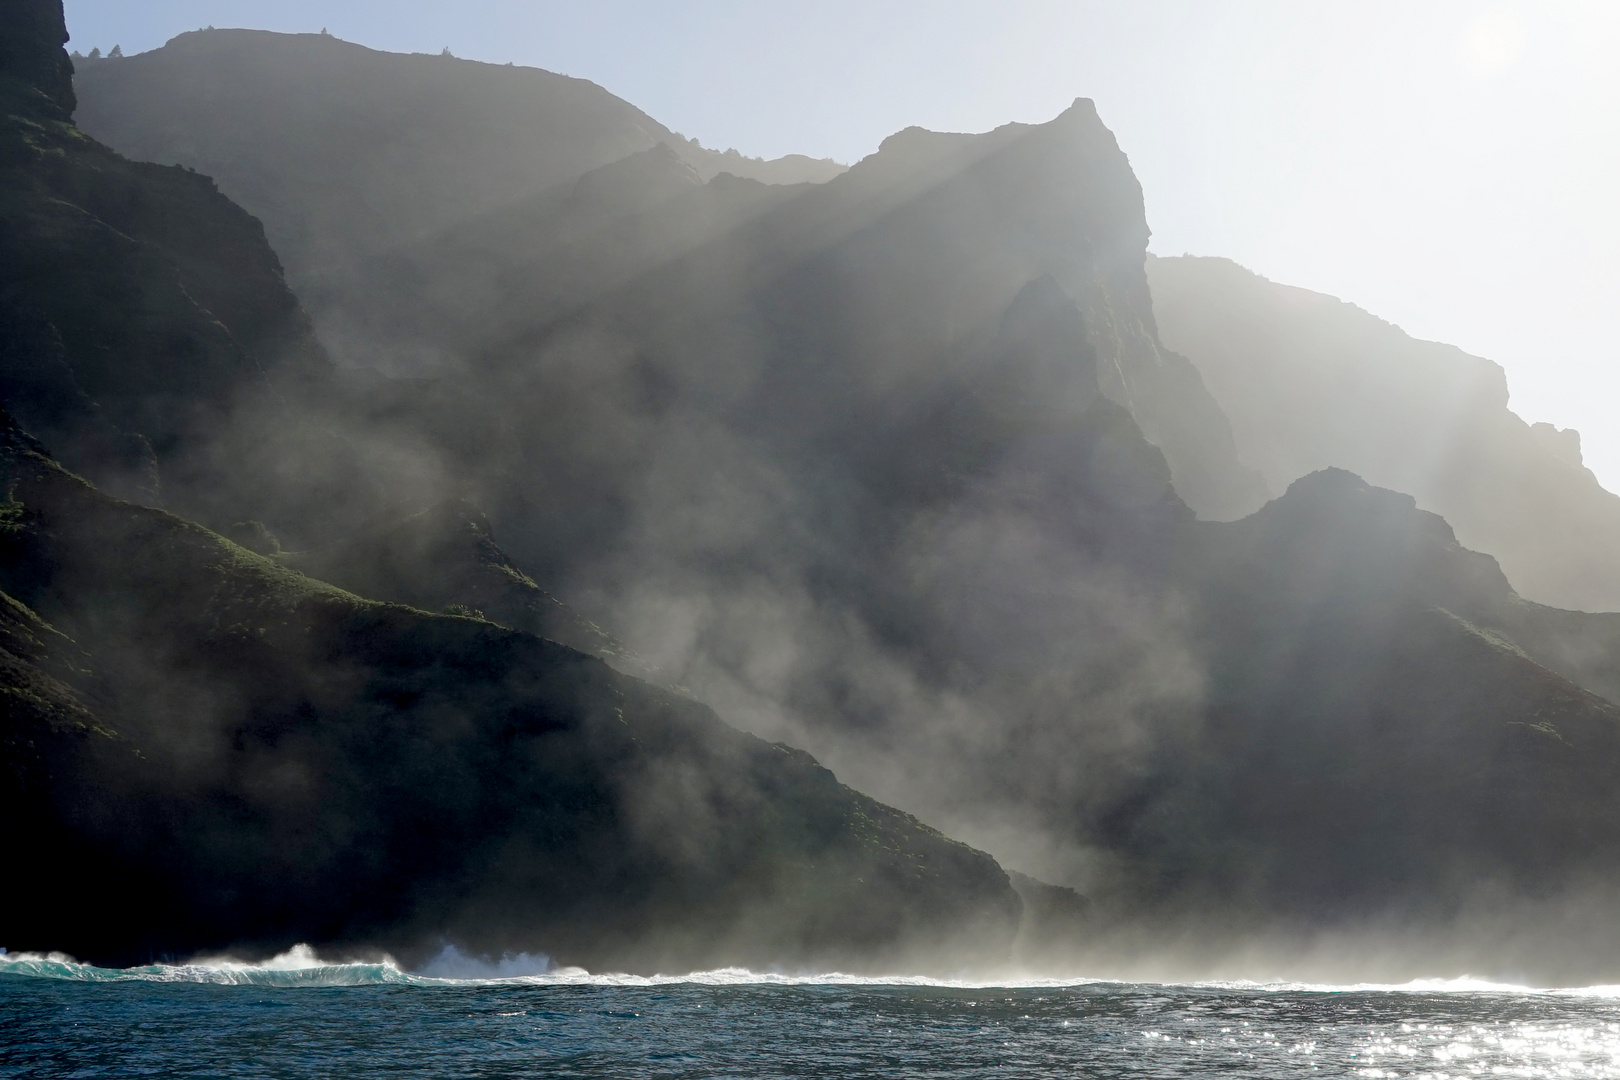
[
  {"x": 467, "y": 168},
  {"x": 446, "y": 558},
  {"x": 253, "y": 758},
  {"x": 345, "y": 152},
  {"x": 1385, "y": 747},
  {"x": 869, "y": 469},
  {"x": 138, "y": 305},
  {"x": 1310, "y": 382},
  {"x": 292, "y": 763},
  {"x": 1376, "y": 682},
  {"x": 446, "y": 299},
  {"x": 1324, "y": 711}
]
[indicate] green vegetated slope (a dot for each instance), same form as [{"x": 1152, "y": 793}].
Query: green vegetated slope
[
  {"x": 206, "y": 749},
  {"x": 446, "y": 558},
  {"x": 1311, "y": 382},
  {"x": 259, "y": 759}
]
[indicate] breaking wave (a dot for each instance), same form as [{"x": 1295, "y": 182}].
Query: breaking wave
[
  {"x": 301, "y": 966},
  {"x": 298, "y": 966}
]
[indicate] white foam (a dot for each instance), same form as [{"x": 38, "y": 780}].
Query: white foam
[
  {"x": 298, "y": 966},
  {"x": 1465, "y": 984},
  {"x": 454, "y": 965},
  {"x": 303, "y": 966}
]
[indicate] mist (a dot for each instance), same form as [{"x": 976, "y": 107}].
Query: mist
[
  {"x": 1446, "y": 167},
  {"x": 1239, "y": 634}
]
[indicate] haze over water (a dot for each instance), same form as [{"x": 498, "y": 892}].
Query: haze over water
[{"x": 296, "y": 1017}]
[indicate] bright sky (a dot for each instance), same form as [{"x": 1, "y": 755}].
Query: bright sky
[{"x": 1450, "y": 165}]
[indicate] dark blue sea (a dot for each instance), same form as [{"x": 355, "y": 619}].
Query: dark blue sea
[{"x": 297, "y": 1017}]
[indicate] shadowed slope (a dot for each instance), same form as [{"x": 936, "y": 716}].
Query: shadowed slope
[
  {"x": 445, "y": 558},
  {"x": 136, "y": 302},
  {"x": 1385, "y": 732},
  {"x": 309, "y": 766}
]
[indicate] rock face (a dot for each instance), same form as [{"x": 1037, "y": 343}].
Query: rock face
[
  {"x": 139, "y": 306},
  {"x": 1310, "y": 382},
  {"x": 32, "y": 62},
  {"x": 923, "y": 246},
  {"x": 371, "y": 152}
]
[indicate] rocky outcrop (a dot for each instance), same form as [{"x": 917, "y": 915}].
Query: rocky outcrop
[
  {"x": 138, "y": 306},
  {"x": 33, "y": 65},
  {"x": 916, "y": 252}
]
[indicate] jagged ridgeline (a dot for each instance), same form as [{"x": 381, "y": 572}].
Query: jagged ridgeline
[
  {"x": 894, "y": 467},
  {"x": 205, "y": 749},
  {"x": 438, "y": 213},
  {"x": 1310, "y": 382}
]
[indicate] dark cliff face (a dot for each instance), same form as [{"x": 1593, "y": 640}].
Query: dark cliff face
[
  {"x": 1312, "y": 382},
  {"x": 33, "y": 64},
  {"x": 138, "y": 306},
  {"x": 261, "y": 759}
]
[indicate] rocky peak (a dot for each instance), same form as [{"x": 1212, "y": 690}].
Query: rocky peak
[{"x": 1339, "y": 543}]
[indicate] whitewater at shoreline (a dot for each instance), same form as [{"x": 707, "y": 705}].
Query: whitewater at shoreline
[{"x": 303, "y": 966}]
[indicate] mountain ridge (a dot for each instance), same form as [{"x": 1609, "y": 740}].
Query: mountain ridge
[{"x": 1311, "y": 382}]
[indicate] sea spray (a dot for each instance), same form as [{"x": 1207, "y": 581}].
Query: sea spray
[{"x": 303, "y": 966}]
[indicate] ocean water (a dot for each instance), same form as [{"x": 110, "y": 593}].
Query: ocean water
[{"x": 298, "y": 1017}]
